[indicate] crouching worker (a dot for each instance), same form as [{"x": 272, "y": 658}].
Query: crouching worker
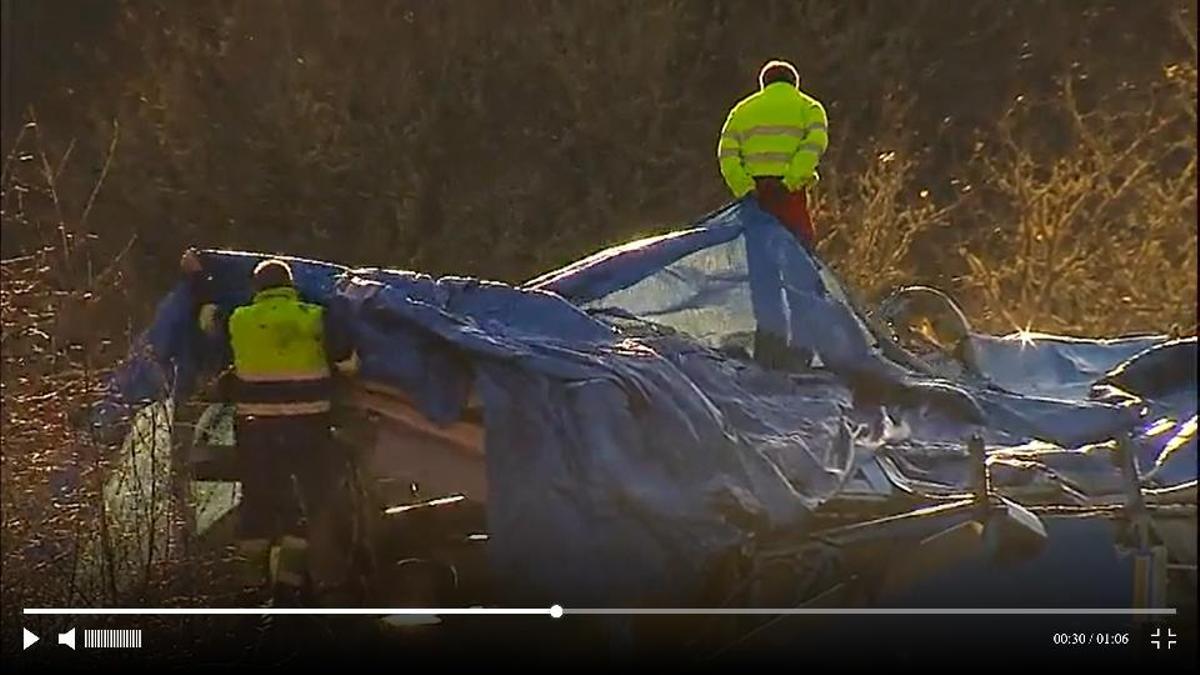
[{"x": 282, "y": 351}]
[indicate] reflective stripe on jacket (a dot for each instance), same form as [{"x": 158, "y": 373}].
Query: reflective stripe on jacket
[
  {"x": 279, "y": 356},
  {"x": 778, "y": 131}
]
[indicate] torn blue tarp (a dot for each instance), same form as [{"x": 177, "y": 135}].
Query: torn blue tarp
[{"x": 624, "y": 465}]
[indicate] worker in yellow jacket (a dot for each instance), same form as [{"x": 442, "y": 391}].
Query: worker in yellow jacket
[
  {"x": 284, "y": 352},
  {"x": 771, "y": 144}
]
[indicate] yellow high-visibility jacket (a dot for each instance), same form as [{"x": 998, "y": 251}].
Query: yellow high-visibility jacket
[
  {"x": 279, "y": 356},
  {"x": 778, "y": 131}
]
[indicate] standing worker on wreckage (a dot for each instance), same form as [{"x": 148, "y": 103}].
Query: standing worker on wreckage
[
  {"x": 771, "y": 144},
  {"x": 284, "y": 353}
]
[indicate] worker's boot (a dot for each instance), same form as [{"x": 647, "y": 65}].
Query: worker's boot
[
  {"x": 330, "y": 556},
  {"x": 770, "y": 350},
  {"x": 289, "y": 564},
  {"x": 337, "y": 595},
  {"x": 773, "y": 352},
  {"x": 252, "y": 571}
]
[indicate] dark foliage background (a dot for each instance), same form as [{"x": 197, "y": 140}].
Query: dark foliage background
[{"x": 501, "y": 139}]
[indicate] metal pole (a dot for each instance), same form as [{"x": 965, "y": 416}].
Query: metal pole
[
  {"x": 980, "y": 483},
  {"x": 1149, "y": 564}
]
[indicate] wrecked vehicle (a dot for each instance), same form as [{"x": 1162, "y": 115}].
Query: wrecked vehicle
[{"x": 606, "y": 435}]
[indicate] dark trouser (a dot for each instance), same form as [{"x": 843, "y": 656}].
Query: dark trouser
[
  {"x": 273, "y": 450},
  {"x": 312, "y": 528},
  {"x": 790, "y": 207}
]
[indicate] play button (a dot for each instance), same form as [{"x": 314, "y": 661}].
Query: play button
[{"x": 28, "y": 638}]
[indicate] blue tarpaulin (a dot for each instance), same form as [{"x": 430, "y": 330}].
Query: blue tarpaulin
[{"x": 631, "y": 444}]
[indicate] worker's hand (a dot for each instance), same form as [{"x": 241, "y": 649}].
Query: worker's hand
[
  {"x": 189, "y": 262},
  {"x": 208, "y": 318},
  {"x": 348, "y": 367}
]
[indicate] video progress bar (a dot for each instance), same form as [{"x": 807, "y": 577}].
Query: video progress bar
[{"x": 557, "y": 611}]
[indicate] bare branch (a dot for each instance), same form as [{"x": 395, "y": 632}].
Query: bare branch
[{"x": 108, "y": 158}]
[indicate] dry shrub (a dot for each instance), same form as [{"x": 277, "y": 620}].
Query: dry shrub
[
  {"x": 1076, "y": 213},
  {"x": 84, "y": 523},
  {"x": 1095, "y": 233},
  {"x": 868, "y": 224},
  {"x": 49, "y": 471}
]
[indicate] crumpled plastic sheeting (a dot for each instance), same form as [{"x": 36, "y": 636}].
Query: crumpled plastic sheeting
[
  {"x": 606, "y": 509},
  {"x": 618, "y": 468},
  {"x": 795, "y": 296},
  {"x": 1053, "y": 366},
  {"x": 622, "y": 470},
  {"x": 1164, "y": 442}
]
